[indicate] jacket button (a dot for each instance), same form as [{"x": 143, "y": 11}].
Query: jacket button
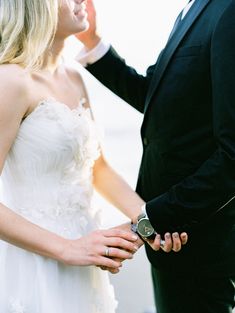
[{"x": 145, "y": 141}]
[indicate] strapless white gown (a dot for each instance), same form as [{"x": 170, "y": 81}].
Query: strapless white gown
[{"x": 47, "y": 178}]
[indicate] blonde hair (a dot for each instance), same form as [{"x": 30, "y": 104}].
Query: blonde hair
[{"x": 27, "y": 29}]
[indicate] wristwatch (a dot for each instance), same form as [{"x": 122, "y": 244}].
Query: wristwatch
[{"x": 143, "y": 226}]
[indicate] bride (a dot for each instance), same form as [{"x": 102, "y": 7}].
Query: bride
[{"x": 51, "y": 249}]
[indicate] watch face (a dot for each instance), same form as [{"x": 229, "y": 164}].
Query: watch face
[{"x": 144, "y": 228}]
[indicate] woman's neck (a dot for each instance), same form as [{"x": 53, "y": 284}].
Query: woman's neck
[{"x": 53, "y": 56}]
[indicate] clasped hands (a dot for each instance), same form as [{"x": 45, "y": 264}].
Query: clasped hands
[{"x": 130, "y": 243}]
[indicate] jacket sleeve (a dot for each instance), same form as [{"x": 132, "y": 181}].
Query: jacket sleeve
[
  {"x": 123, "y": 80},
  {"x": 201, "y": 195}
]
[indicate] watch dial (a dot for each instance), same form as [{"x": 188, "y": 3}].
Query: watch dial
[{"x": 145, "y": 229}]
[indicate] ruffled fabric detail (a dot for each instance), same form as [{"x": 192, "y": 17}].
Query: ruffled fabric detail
[{"x": 76, "y": 188}]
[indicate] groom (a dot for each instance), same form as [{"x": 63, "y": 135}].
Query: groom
[{"x": 187, "y": 173}]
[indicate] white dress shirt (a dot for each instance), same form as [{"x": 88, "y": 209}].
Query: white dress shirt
[{"x": 85, "y": 56}]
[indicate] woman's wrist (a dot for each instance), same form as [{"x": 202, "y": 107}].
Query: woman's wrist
[
  {"x": 142, "y": 209},
  {"x": 59, "y": 250},
  {"x": 57, "y": 247}
]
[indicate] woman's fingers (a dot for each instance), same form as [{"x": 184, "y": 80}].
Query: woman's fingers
[
  {"x": 112, "y": 270},
  {"x": 119, "y": 238},
  {"x": 111, "y": 248},
  {"x": 121, "y": 243},
  {"x": 125, "y": 234},
  {"x": 105, "y": 262},
  {"x": 119, "y": 253}
]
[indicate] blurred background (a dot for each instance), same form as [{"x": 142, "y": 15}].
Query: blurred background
[{"x": 138, "y": 30}]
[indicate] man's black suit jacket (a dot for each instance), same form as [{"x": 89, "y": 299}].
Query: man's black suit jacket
[{"x": 187, "y": 174}]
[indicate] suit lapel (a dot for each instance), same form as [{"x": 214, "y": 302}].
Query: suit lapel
[{"x": 171, "y": 46}]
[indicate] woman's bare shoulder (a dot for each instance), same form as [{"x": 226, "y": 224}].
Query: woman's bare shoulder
[
  {"x": 14, "y": 86},
  {"x": 13, "y": 73}
]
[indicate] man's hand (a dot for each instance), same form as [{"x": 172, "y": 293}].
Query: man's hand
[
  {"x": 173, "y": 242},
  {"x": 90, "y": 38}
]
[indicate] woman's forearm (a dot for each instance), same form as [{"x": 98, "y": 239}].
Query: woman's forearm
[
  {"x": 116, "y": 190},
  {"x": 24, "y": 234},
  {"x": 84, "y": 251}
]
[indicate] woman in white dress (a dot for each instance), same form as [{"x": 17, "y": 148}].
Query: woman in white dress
[{"x": 50, "y": 159}]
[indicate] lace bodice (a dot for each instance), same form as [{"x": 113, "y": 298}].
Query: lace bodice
[{"x": 48, "y": 171}]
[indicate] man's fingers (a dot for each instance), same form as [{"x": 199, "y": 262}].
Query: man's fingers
[
  {"x": 176, "y": 242},
  {"x": 156, "y": 243},
  {"x": 167, "y": 247},
  {"x": 184, "y": 238},
  {"x": 172, "y": 242},
  {"x": 111, "y": 270}
]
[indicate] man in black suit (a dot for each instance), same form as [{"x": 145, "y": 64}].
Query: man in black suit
[{"x": 187, "y": 173}]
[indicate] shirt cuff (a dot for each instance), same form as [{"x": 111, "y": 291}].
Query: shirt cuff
[
  {"x": 143, "y": 208},
  {"x": 85, "y": 56}
]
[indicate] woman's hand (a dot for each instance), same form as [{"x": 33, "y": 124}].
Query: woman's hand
[
  {"x": 104, "y": 248},
  {"x": 138, "y": 243}
]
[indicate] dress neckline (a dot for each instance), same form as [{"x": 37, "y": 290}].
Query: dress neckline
[{"x": 52, "y": 100}]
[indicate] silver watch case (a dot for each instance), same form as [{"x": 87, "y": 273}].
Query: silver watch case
[{"x": 144, "y": 227}]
